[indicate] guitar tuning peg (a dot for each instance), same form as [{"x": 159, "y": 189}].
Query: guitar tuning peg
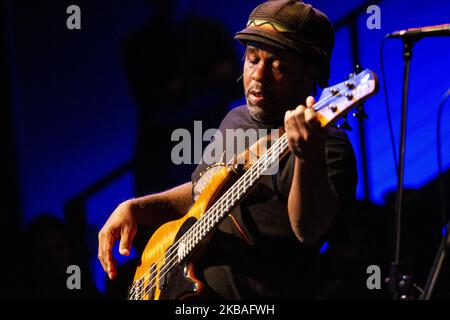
[
  {"x": 344, "y": 125},
  {"x": 351, "y": 75},
  {"x": 360, "y": 114}
]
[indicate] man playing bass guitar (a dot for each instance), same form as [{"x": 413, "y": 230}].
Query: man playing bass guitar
[{"x": 268, "y": 246}]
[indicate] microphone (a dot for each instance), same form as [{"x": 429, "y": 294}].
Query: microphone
[{"x": 430, "y": 31}]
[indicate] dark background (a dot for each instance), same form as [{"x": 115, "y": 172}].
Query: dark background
[{"x": 86, "y": 117}]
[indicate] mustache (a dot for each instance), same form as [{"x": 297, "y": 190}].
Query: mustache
[{"x": 259, "y": 89}]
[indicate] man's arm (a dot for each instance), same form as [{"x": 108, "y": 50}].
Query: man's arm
[
  {"x": 312, "y": 204},
  {"x": 149, "y": 211},
  {"x": 168, "y": 205}
]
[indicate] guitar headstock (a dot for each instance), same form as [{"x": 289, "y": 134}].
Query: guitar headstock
[{"x": 339, "y": 99}]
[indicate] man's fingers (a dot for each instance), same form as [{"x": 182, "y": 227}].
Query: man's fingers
[
  {"x": 310, "y": 101},
  {"x": 101, "y": 249},
  {"x": 311, "y": 118},
  {"x": 300, "y": 108},
  {"x": 292, "y": 128},
  {"x": 302, "y": 127},
  {"x": 110, "y": 265},
  {"x": 310, "y": 114},
  {"x": 299, "y": 117},
  {"x": 126, "y": 239},
  {"x": 106, "y": 242},
  {"x": 291, "y": 123}
]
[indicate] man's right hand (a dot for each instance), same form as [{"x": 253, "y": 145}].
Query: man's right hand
[
  {"x": 148, "y": 211},
  {"x": 122, "y": 224}
]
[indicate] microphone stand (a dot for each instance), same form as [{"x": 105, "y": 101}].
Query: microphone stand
[
  {"x": 436, "y": 268},
  {"x": 445, "y": 242},
  {"x": 399, "y": 283}
]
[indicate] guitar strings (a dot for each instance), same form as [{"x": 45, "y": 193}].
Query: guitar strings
[{"x": 209, "y": 217}]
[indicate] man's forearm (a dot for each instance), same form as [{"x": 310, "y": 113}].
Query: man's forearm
[
  {"x": 163, "y": 207},
  {"x": 312, "y": 204}
]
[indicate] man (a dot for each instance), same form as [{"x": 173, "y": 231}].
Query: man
[{"x": 268, "y": 246}]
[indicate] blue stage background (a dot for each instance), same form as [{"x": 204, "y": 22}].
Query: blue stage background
[{"x": 75, "y": 120}]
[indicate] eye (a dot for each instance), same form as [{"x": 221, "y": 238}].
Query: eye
[
  {"x": 252, "y": 59},
  {"x": 278, "y": 66}
]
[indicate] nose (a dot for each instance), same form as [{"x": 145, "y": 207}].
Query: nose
[{"x": 259, "y": 73}]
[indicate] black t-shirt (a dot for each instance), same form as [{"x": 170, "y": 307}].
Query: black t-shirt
[{"x": 254, "y": 253}]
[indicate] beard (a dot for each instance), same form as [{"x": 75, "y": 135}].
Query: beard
[
  {"x": 258, "y": 113},
  {"x": 267, "y": 113}
]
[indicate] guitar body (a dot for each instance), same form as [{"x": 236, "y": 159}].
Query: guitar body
[{"x": 151, "y": 282}]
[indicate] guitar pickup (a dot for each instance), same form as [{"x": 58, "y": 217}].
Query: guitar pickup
[
  {"x": 162, "y": 282},
  {"x": 151, "y": 285},
  {"x": 163, "y": 274}
]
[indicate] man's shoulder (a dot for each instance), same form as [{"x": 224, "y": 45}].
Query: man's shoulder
[
  {"x": 236, "y": 115},
  {"x": 241, "y": 111}
]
